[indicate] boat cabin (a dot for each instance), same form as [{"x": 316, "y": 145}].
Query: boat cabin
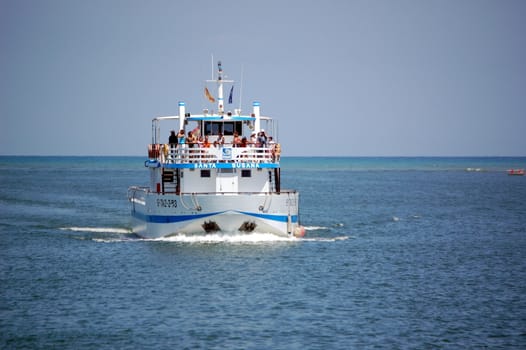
[{"x": 214, "y": 162}]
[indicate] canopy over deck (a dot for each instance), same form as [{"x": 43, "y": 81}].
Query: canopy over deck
[{"x": 212, "y": 118}]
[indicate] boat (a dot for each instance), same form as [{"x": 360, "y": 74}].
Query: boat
[
  {"x": 516, "y": 172},
  {"x": 222, "y": 174}
]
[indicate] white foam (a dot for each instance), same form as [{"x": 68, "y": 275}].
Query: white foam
[
  {"x": 244, "y": 238},
  {"x": 113, "y": 240},
  {"x": 313, "y": 228},
  {"x": 97, "y": 229},
  {"x": 325, "y": 239},
  {"x": 255, "y": 238},
  {"x": 228, "y": 238}
]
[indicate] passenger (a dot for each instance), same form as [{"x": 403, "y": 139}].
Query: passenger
[
  {"x": 206, "y": 143},
  {"x": 271, "y": 145},
  {"x": 220, "y": 140},
  {"x": 253, "y": 140},
  {"x": 191, "y": 140},
  {"x": 180, "y": 138},
  {"x": 262, "y": 139},
  {"x": 237, "y": 140},
  {"x": 181, "y": 143},
  {"x": 173, "y": 138},
  {"x": 276, "y": 154},
  {"x": 275, "y": 149},
  {"x": 244, "y": 142}
]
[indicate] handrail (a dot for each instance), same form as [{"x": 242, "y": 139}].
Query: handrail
[
  {"x": 247, "y": 192},
  {"x": 173, "y": 153},
  {"x": 133, "y": 189},
  {"x": 132, "y": 194}
]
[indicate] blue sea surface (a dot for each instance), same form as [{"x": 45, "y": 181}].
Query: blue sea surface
[{"x": 400, "y": 253}]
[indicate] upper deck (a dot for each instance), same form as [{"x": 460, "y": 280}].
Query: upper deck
[
  {"x": 199, "y": 157},
  {"x": 214, "y": 141},
  {"x": 221, "y": 139}
]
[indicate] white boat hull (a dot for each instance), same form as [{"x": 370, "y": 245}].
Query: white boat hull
[{"x": 156, "y": 215}]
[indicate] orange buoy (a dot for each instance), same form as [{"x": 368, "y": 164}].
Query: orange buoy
[{"x": 299, "y": 231}]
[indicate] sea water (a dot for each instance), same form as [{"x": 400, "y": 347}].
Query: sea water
[{"x": 400, "y": 253}]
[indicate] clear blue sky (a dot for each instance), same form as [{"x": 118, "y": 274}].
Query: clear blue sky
[{"x": 356, "y": 78}]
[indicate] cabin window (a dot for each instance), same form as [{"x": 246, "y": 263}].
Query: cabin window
[
  {"x": 212, "y": 128},
  {"x": 230, "y": 127},
  {"x": 227, "y": 128},
  {"x": 226, "y": 171},
  {"x": 205, "y": 173},
  {"x": 246, "y": 173}
]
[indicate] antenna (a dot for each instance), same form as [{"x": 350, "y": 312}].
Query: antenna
[
  {"x": 219, "y": 81},
  {"x": 212, "y": 66},
  {"x": 241, "y": 86}
]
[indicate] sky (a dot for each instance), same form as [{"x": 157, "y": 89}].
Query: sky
[{"x": 343, "y": 78}]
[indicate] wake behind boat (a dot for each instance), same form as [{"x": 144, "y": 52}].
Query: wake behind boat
[{"x": 219, "y": 172}]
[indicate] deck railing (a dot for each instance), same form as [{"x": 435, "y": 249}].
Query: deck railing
[{"x": 172, "y": 153}]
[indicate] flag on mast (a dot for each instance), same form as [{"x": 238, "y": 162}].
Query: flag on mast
[
  {"x": 231, "y": 95},
  {"x": 209, "y": 96}
]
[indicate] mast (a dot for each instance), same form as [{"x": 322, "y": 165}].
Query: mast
[
  {"x": 220, "y": 100},
  {"x": 220, "y": 81}
]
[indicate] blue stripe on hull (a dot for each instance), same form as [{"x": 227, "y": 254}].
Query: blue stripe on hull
[
  {"x": 166, "y": 219},
  {"x": 279, "y": 218}
]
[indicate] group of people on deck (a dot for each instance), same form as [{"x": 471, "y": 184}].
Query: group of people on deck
[
  {"x": 259, "y": 140},
  {"x": 190, "y": 140}
]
